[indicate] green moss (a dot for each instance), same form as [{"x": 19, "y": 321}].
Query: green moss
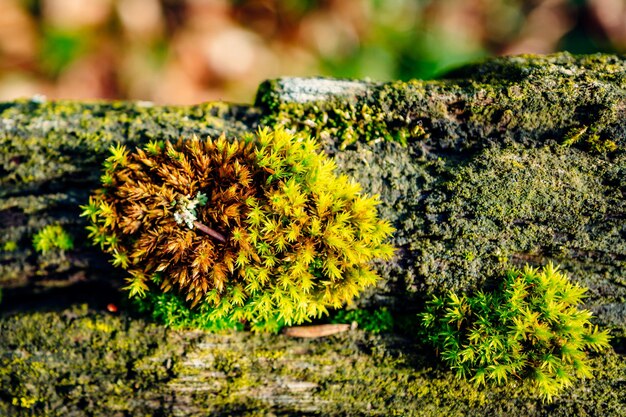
[
  {"x": 328, "y": 376},
  {"x": 172, "y": 311},
  {"x": 339, "y": 117},
  {"x": 524, "y": 204},
  {"x": 95, "y": 364},
  {"x": 530, "y": 329},
  {"x": 81, "y": 361},
  {"x": 376, "y": 321},
  {"x": 505, "y": 97},
  {"x": 460, "y": 219},
  {"x": 39, "y": 139},
  {"x": 9, "y": 246},
  {"x": 52, "y": 237},
  {"x": 513, "y": 160}
]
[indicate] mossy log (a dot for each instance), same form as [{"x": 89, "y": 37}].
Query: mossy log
[{"x": 512, "y": 161}]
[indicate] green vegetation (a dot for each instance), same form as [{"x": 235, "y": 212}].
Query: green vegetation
[
  {"x": 486, "y": 188},
  {"x": 171, "y": 310},
  {"x": 530, "y": 329},
  {"x": 376, "y": 321},
  {"x": 9, "y": 246},
  {"x": 81, "y": 361},
  {"x": 261, "y": 230},
  {"x": 498, "y": 97},
  {"x": 86, "y": 362},
  {"x": 437, "y": 188},
  {"x": 52, "y": 237}
]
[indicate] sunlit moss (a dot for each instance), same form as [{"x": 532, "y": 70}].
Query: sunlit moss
[
  {"x": 530, "y": 329},
  {"x": 261, "y": 230}
]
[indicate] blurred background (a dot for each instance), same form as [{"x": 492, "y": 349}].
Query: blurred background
[{"x": 190, "y": 51}]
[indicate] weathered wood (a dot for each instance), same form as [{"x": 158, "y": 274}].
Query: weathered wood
[
  {"x": 86, "y": 363},
  {"x": 517, "y": 160}
]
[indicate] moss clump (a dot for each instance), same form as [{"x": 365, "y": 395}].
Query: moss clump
[
  {"x": 261, "y": 230},
  {"x": 9, "y": 246},
  {"x": 153, "y": 215},
  {"x": 171, "y": 310},
  {"x": 48, "y": 151},
  {"x": 52, "y": 237},
  {"x": 530, "y": 329}
]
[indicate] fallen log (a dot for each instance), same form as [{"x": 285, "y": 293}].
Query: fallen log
[{"x": 513, "y": 161}]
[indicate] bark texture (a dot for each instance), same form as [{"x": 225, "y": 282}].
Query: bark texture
[{"x": 513, "y": 161}]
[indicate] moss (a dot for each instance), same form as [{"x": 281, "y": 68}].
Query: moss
[
  {"x": 288, "y": 238},
  {"x": 526, "y": 205},
  {"x": 339, "y": 117},
  {"x": 172, "y": 311},
  {"x": 81, "y": 361},
  {"x": 40, "y": 141},
  {"x": 514, "y": 160},
  {"x": 87, "y": 363},
  {"x": 49, "y": 152},
  {"x": 529, "y": 329},
  {"x": 327, "y": 376},
  {"x": 511, "y": 160},
  {"x": 9, "y": 246},
  {"x": 461, "y": 219},
  {"x": 375, "y": 321},
  {"x": 52, "y": 237},
  {"x": 505, "y": 99}
]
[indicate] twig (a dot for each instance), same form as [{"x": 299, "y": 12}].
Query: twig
[
  {"x": 206, "y": 229},
  {"x": 319, "y": 330}
]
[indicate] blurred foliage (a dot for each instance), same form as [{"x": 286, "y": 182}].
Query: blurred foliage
[
  {"x": 59, "y": 49},
  {"x": 187, "y": 51}
]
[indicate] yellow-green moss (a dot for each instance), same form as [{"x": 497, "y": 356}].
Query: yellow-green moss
[
  {"x": 80, "y": 361},
  {"x": 9, "y": 246},
  {"x": 52, "y": 237}
]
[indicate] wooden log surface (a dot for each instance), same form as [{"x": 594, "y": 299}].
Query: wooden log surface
[{"x": 513, "y": 161}]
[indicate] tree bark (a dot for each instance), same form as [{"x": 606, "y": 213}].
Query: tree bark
[{"x": 513, "y": 161}]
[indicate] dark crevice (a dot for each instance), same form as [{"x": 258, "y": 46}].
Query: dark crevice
[{"x": 97, "y": 294}]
